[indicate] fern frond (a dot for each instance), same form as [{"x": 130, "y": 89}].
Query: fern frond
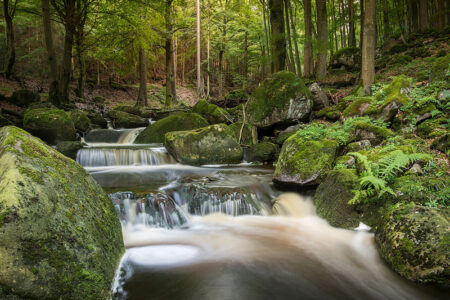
[
  {"x": 372, "y": 182},
  {"x": 367, "y": 165}
]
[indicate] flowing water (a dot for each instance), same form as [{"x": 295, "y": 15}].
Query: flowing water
[{"x": 224, "y": 232}]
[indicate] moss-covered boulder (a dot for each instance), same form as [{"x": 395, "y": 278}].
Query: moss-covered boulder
[
  {"x": 246, "y": 135},
  {"x": 440, "y": 69},
  {"x": 51, "y": 125},
  {"x": 121, "y": 119},
  {"x": 134, "y": 110},
  {"x": 60, "y": 235},
  {"x": 282, "y": 99},
  {"x": 358, "y": 107},
  {"x": 332, "y": 197},
  {"x": 283, "y": 135},
  {"x": 262, "y": 152},
  {"x": 24, "y": 98},
  {"x": 215, "y": 144},
  {"x": 415, "y": 241},
  {"x": 213, "y": 113},
  {"x": 346, "y": 58},
  {"x": 70, "y": 148},
  {"x": 103, "y": 136},
  {"x": 234, "y": 98},
  {"x": 368, "y": 131},
  {"x": 176, "y": 122},
  {"x": 331, "y": 113},
  {"x": 320, "y": 99},
  {"x": 304, "y": 162},
  {"x": 97, "y": 119},
  {"x": 80, "y": 120}
]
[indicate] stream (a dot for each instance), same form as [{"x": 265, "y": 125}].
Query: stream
[{"x": 225, "y": 232}]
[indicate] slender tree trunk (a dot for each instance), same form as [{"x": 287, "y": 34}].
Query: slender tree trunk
[
  {"x": 81, "y": 68},
  {"x": 361, "y": 34},
  {"x": 441, "y": 14},
  {"x": 368, "y": 50},
  {"x": 171, "y": 96},
  {"x": 266, "y": 33},
  {"x": 308, "y": 48},
  {"x": 53, "y": 94},
  {"x": 67, "y": 55},
  {"x": 208, "y": 50},
  {"x": 351, "y": 25},
  {"x": 98, "y": 72},
  {"x": 199, "y": 61},
  {"x": 414, "y": 15},
  {"x": 423, "y": 14},
  {"x": 244, "y": 84},
  {"x": 288, "y": 37},
  {"x": 294, "y": 35},
  {"x": 142, "y": 96},
  {"x": 11, "y": 49},
  {"x": 278, "y": 39},
  {"x": 322, "y": 31}
]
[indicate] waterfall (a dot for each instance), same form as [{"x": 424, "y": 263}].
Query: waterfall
[{"x": 130, "y": 135}]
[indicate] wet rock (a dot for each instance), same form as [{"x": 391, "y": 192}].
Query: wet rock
[
  {"x": 246, "y": 136},
  {"x": 134, "y": 110},
  {"x": 213, "y": 113},
  {"x": 282, "y": 99},
  {"x": 304, "y": 162},
  {"x": 70, "y": 148},
  {"x": 80, "y": 120},
  {"x": 214, "y": 144},
  {"x": 332, "y": 197},
  {"x": 155, "y": 132},
  {"x": 414, "y": 240},
  {"x": 319, "y": 98},
  {"x": 285, "y": 134},
  {"x": 262, "y": 152},
  {"x": 51, "y": 125},
  {"x": 24, "y": 98},
  {"x": 121, "y": 119},
  {"x": 97, "y": 119},
  {"x": 103, "y": 136},
  {"x": 60, "y": 235}
]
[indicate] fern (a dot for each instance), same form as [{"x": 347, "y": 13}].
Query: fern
[{"x": 375, "y": 178}]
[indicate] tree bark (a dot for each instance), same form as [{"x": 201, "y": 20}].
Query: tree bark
[
  {"x": 278, "y": 39},
  {"x": 142, "y": 96},
  {"x": 368, "y": 50},
  {"x": 361, "y": 34},
  {"x": 322, "y": 32},
  {"x": 351, "y": 25},
  {"x": 171, "y": 96},
  {"x": 414, "y": 15},
  {"x": 441, "y": 14},
  {"x": 288, "y": 37},
  {"x": 244, "y": 83},
  {"x": 308, "y": 48},
  {"x": 199, "y": 62},
  {"x": 11, "y": 49},
  {"x": 423, "y": 14},
  {"x": 294, "y": 32},
  {"x": 266, "y": 34}
]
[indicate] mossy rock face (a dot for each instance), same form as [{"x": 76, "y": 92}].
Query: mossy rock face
[
  {"x": 80, "y": 120},
  {"x": 331, "y": 113},
  {"x": 441, "y": 68},
  {"x": 375, "y": 134},
  {"x": 121, "y": 119},
  {"x": 215, "y": 144},
  {"x": 213, "y": 113},
  {"x": 320, "y": 99},
  {"x": 287, "y": 133},
  {"x": 357, "y": 107},
  {"x": 129, "y": 109},
  {"x": 60, "y": 235},
  {"x": 70, "y": 148},
  {"x": 97, "y": 119},
  {"x": 415, "y": 241},
  {"x": 236, "y": 113},
  {"x": 332, "y": 197},
  {"x": 262, "y": 152},
  {"x": 430, "y": 128},
  {"x": 303, "y": 162},
  {"x": 24, "y": 98},
  {"x": 246, "y": 137},
  {"x": 103, "y": 136},
  {"x": 235, "y": 97},
  {"x": 176, "y": 122},
  {"x": 282, "y": 99},
  {"x": 51, "y": 125}
]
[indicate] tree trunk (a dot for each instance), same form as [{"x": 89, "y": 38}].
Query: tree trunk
[
  {"x": 441, "y": 14},
  {"x": 171, "y": 96},
  {"x": 11, "y": 49},
  {"x": 199, "y": 62},
  {"x": 351, "y": 25},
  {"x": 294, "y": 32},
  {"x": 414, "y": 15},
  {"x": 423, "y": 14},
  {"x": 69, "y": 26},
  {"x": 244, "y": 84},
  {"x": 288, "y": 37},
  {"x": 142, "y": 96},
  {"x": 308, "y": 49},
  {"x": 322, "y": 42},
  {"x": 278, "y": 40},
  {"x": 266, "y": 34},
  {"x": 361, "y": 33},
  {"x": 368, "y": 50}
]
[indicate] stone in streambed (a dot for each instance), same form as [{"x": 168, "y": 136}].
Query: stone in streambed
[
  {"x": 121, "y": 119},
  {"x": 215, "y": 144},
  {"x": 60, "y": 235}
]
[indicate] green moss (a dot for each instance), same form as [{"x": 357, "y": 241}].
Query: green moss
[
  {"x": 400, "y": 60},
  {"x": 396, "y": 91},
  {"x": 379, "y": 132},
  {"x": 440, "y": 69},
  {"x": 80, "y": 120},
  {"x": 262, "y": 152},
  {"x": 246, "y": 137},
  {"x": 331, "y": 112},
  {"x": 176, "y": 122},
  {"x": 358, "y": 107},
  {"x": 213, "y": 113},
  {"x": 398, "y": 48},
  {"x": 134, "y": 110},
  {"x": 121, "y": 119},
  {"x": 236, "y": 96}
]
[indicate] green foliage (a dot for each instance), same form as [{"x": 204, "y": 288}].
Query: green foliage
[{"x": 375, "y": 177}]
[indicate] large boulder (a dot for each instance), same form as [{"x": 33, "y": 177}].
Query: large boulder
[
  {"x": 97, "y": 119},
  {"x": 282, "y": 99},
  {"x": 51, "y": 125},
  {"x": 262, "y": 152},
  {"x": 213, "y": 113},
  {"x": 414, "y": 240},
  {"x": 320, "y": 99},
  {"x": 134, "y": 110},
  {"x": 60, "y": 235},
  {"x": 304, "y": 162},
  {"x": 103, "y": 136},
  {"x": 234, "y": 98},
  {"x": 121, "y": 119},
  {"x": 245, "y": 134},
  {"x": 176, "y": 122},
  {"x": 24, "y": 98},
  {"x": 70, "y": 148},
  {"x": 80, "y": 120},
  {"x": 215, "y": 144}
]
